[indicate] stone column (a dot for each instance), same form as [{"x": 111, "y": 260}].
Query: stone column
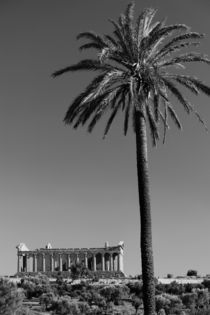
[
  {"x": 27, "y": 263},
  {"x": 120, "y": 262},
  {"x": 111, "y": 262},
  {"x": 94, "y": 262},
  {"x": 34, "y": 263},
  {"x": 60, "y": 262},
  {"x": 43, "y": 263},
  {"x": 68, "y": 261},
  {"x": 86, "y": 261},
  {"x": 107, "y": 267},
  {"x": 19, "y": 263},
  {"x": 116, "y": 263},
  {"x": 52, "y": 262},
  {"x": 103, "y": 262},
  {"x": 77, "y": 258}
]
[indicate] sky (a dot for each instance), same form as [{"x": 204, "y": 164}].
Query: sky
[{"x": 72, "y": 188}]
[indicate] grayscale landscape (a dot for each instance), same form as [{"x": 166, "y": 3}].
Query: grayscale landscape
[{"x": 104, "y": 157}]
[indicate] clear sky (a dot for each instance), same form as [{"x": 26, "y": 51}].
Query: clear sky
[{"x": 71, "y": 188}]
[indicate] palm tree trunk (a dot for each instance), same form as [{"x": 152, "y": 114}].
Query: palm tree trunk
[{"x": 145, "y": 215}]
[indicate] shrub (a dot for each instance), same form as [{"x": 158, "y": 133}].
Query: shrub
[
  {"x": 135, "y": 288},
  {"x": 168, "y": 302},
  {"x": 64, "y": 306},
  {"x": 189, "y": 300},
  {"x": 175, "y": 288},
  {"x": 78, "y": 270},
  {"x": 46, "y": 300},
  {"x": 206, "y": 283},
  {"x": 10, "y": 297},
  {"x": 114, "y": 293},
  {"x": 136, "y": 302}
]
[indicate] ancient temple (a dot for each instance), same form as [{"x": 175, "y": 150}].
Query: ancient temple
[{"x": 107, "y": 259}]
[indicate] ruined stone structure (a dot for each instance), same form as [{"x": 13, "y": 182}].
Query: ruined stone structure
[{"x": 107, "y": 259}]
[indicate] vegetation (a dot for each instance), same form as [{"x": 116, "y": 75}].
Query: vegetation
[
  {"x": 10, "y": 297},
  {"x": 192, "y": 273},
  {"x": 137, "y": 75},
  {"x": 90, "y": 297}
]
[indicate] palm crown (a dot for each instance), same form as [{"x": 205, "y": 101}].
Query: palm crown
[{"x": 135, "y": 66}]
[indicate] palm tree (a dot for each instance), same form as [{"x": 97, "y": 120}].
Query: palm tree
[{"x": 137, "y": 75}]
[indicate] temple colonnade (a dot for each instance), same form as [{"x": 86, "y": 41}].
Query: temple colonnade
[{"x": 49, "y": 260}]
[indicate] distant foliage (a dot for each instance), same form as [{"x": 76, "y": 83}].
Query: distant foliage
[
  {"x": 93, "y": 298},
  {"x": 192, "y": 273}
]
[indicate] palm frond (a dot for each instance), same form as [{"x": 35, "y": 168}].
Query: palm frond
[
  {"x": 142, "y": 23},
  {"x": 174, "y": 116},
  {"x": 201, "y": 120},
  {"x": 165, "y": 120},
  {"x": 188, "y": 57},
  {"x": 111, "y": 40},
  {"x": 185, "y": 82},
  {"x": 156, "y": 106},
  {"x": 89, "y": 108},
  {"x": 165, "y": 123},
  {"x": 127, "y": 114},
  {"x": 90, "y": 45},
  {"x": 175, "y": 40},
  {"x": 92, "y": 36},
  {"x": 86, "y": 64},
  {"x": 152, "y": 125},
  {"x": 174, "y": 49},
  {"x": 111, "y": 118},
  {"x": 178, "y": 95},
  {"x": 111, "y": 78},
  {"x": 200, "y": 85},
  {"x": 100, "y": 110},
  {"x": 118, "y": 32},
  {"x": 75, "y": 107},
  {"x": 129, "y": 28},
  {"x": 162, "y": 33}
]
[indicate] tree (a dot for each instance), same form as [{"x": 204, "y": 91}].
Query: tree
[
  {"x": 135, "y": 77},
  {"x": 78, "y": 270},
  {"x": 192, "y": 272}
]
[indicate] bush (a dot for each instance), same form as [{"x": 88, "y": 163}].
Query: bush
[
  {"x": 65, "y": 306},
  {"x": 189, "y": 300},
  {"x": 114, "y": 293},
  {"x": 206, "y": 283},
  {"x": 136, "y": 302},
  {"x": 10, "y": 297},
  {"x": 46, "y": 300},
  {"x": 171, "y": 304},
  {"x": 78, "y": 270},
  {"x": 135, "y": 288},
  {"x": 175, "y": 288},
  {"x": 23, "y": 310}
]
